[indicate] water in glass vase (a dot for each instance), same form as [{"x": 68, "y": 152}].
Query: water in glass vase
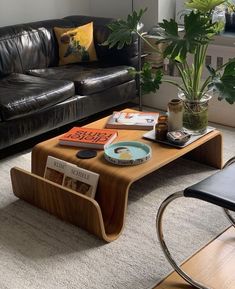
[{"x": 195, "y": 115}]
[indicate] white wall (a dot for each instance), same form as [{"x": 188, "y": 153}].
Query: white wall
[
  {"x": 22, "y": 11},
  {"x": 166, "y": 9},
  {"x": 157, "y": 9},
  {"x": 110, "y": 8},
  {"x": 120, "y": 9},
  {"x": 150, "y": 18}
]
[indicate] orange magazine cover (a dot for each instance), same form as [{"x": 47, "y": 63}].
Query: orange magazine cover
[{"x": 88, "y": 137}]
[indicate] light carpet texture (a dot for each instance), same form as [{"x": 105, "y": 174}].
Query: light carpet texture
[{"x": 38, "y": 250}]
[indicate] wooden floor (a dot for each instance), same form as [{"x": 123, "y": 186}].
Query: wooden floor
[{"x": 213, "y": 265}]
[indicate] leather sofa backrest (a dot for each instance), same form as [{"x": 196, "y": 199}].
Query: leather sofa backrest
[
  {"x": 29, "y": 46},
  {"x": 34, "y": 45}
]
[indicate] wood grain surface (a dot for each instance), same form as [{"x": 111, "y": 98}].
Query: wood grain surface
[
  {"x": 114, "y": 182},
  {"x": 62, "y": 202},
  {"x": 212, "y": 266}
]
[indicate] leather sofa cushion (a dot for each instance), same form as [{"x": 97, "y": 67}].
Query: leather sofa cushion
[
  {"x": 22, "y": 95},
  {"x": 88, "y": 78}
]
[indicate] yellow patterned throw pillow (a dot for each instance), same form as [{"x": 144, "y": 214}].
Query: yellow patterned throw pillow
[{"x": 76, "y": 44}]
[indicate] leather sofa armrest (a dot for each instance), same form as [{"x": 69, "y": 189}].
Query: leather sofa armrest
[{"x": 126, "y": 56}]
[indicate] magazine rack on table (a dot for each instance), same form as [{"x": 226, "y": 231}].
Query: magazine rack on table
[
  {"x": 60, "y": 201},
  {"x": 69, "y": 205},
  {"x": 105, "y": 215}
]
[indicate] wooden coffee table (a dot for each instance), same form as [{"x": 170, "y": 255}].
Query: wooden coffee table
[{"x": 105, "y": 215}]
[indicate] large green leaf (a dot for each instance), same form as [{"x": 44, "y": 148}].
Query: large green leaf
[
  {"x": 204, "y": 5},
  {"x": 198, "y": 31},
  {"x": 121, "y": 30},
  {"x": 225, "y": 85},
  {"x": 150, "y": 81}
]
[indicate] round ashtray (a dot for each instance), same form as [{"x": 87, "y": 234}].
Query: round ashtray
[{"x": 127, "y": 153}]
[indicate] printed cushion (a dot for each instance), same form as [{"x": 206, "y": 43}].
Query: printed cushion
[{"x": 76, "y": 44}]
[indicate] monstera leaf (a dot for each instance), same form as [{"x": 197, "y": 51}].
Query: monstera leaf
[
  {"x": 204, "y": 5},
  {"x": 150, "y": 81},
  {"x": 121, "y": 30},
  {"x": 198, "y": 31},
  {"x": 225, "y": 85}
]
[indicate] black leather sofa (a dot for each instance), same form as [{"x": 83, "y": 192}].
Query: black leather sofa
[{"x": 37, "y": 95}]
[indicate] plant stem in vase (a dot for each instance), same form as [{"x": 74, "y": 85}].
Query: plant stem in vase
[{"x": 195, "y": 115}]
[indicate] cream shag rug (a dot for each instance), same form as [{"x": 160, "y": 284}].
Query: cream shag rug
[{"x": 39, "y": 251}]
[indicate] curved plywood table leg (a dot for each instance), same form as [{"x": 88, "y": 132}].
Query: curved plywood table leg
[
  {"x": 112, "y": 191},
  {"x": 71, "y": 206},
  {"x": 210, "y": 152}
]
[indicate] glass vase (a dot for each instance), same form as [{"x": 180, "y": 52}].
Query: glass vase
[{"x": 195, "y": 115}]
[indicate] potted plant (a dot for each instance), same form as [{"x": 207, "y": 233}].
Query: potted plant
[{"x": 194, "y": 90}]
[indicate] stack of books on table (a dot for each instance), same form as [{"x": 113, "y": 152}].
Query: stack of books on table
[{"x": 96, "y": 138}]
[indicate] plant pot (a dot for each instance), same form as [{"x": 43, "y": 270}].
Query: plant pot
[
  {"x": 175, "y": 110},
  {"x": 195, "y": 115}
]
